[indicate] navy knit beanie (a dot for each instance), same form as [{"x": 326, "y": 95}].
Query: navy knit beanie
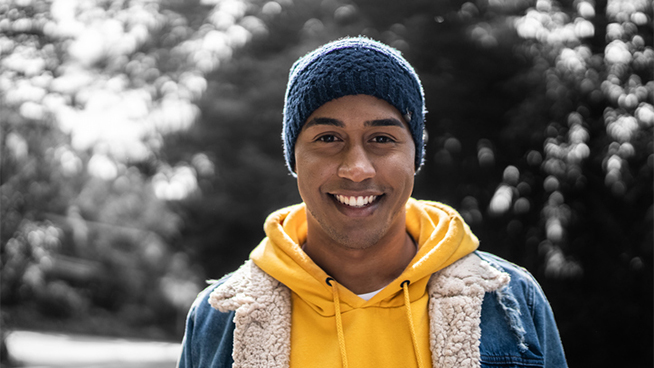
[{"x": 352, "y": 66}]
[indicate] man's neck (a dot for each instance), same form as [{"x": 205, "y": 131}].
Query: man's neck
[{"x": 364, "y": 270}]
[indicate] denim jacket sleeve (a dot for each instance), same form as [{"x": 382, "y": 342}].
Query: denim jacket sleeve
[
  {"x": 517, "y": 323},
  {"x": 209, "y": 335}
]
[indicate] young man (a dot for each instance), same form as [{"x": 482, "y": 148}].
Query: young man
[{"x": 360, "y": 274}]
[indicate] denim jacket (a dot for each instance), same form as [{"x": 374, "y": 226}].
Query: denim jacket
[{"x": 515, "y": 326}]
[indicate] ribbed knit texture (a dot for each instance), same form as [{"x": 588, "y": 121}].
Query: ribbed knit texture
[{"x": 352, "y": 66}]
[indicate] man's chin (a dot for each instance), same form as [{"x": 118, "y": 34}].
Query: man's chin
[{"x": 352, "y": 237}]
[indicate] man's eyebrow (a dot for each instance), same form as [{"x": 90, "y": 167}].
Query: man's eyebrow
[
  {"x": 385, "y": 122},
  {"x": 323, "y": 121}
]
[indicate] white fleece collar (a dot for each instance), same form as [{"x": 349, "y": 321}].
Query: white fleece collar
[
  {"x": 455, "y": 297},
  {"x": 262, "y": 334},
  {"x": 262, "y": 320}
]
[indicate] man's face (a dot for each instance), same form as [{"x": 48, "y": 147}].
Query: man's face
[{"x": 355, "y": 170}]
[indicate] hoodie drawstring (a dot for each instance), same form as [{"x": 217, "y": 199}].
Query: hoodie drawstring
[
  {"x": 414, "y": 337},
  {"x": 339, "y": 323}
]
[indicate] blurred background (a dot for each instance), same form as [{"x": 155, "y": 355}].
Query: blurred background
[{"x": 141, "y": 151}]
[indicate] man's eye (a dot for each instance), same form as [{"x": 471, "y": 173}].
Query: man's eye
[
  {"x": 326, "y": 138},
  {"x": 382, "y": 139}
]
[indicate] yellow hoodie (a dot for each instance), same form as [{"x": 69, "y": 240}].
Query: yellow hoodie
[{"x": 331, "y": 326}]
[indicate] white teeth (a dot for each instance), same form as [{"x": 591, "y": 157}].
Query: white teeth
[{"x": 353, "y": 201}]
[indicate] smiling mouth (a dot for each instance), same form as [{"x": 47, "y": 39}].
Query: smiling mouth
[{"x": 356, "y": 201}]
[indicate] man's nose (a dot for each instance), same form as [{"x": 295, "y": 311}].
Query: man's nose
[{"x": 356, "y": 165}]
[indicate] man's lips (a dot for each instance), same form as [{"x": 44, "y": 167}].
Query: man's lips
[{"x": 356, "y": 201}]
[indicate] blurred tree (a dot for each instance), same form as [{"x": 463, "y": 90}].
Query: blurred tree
[
  {"x": 87, "y": 90},
  {"x": 596, "y": 202}
]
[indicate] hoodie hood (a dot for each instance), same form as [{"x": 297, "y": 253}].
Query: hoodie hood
[{"x": 441, "y": 235}]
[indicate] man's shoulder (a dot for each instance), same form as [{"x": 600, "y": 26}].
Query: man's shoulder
[
  {"x": 514, "y": 270},
  {"x": 522, "y": 285},
  {"x": 201, "y": 304}
]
